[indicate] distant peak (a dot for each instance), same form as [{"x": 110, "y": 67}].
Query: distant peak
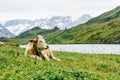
[{"x": 118, "y": 7}]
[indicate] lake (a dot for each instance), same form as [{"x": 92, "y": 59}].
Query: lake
[{"x": 86, "y": 48}]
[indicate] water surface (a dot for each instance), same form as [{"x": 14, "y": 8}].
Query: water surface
[{"x": 86, "y": 48}]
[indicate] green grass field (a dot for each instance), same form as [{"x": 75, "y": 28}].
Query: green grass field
[{"x": 73, "y": 66}]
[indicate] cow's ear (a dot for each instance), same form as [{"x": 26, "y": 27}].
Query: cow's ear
[
  {"x": 36, "y": 39},
  {"x": 30, "y": 40}
]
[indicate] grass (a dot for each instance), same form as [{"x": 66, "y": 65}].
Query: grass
[{"x": 73, "y": 66}]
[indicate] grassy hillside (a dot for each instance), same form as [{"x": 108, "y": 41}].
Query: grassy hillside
[
  {"x": 73, "y": 66},
  {"x": 34, "y": 31},
  {"x": 31, "y": 34},
  {"x": 107, "y": 33}
]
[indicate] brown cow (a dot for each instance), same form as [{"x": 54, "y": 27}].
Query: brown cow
[
  {"x": 14, "y": 44},
  {"x": 38, "y": 47},
  {"x": 2, "y": 44}
]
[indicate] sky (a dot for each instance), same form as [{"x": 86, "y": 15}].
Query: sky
[{"x": 35, "y": 9}]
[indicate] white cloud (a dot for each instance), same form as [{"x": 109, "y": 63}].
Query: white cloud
[{"x": 10, "y": 9}]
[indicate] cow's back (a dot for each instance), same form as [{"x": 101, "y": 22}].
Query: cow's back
[{"x": 2, "y": 44}]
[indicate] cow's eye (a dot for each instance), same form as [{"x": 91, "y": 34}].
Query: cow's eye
[{"x": 40, "y": 41}]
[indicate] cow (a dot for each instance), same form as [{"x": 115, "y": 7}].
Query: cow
[
  {"x": 39, "y": 49},
  {"x": 2, "y": 44},
  {"x": 14, "y": 44}
]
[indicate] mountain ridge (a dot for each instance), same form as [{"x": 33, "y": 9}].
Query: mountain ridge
[{"x": 19, "y": 26}]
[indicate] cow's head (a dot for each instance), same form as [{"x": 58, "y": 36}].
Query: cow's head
[{"x": 41, "y": 44}]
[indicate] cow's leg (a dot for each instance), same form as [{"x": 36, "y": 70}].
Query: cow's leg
[
  {"x": 52, "y": 56},
  {"x": 45, "y": 56},
  {"x": 35, "y": 57}
]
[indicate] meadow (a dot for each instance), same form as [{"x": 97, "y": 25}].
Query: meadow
[{"x": 73, "y": 66}]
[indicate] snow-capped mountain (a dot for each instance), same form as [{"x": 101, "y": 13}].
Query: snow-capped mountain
[
  {"x": 82, "y": 19},
  {"x": 5, "y": 33},
  {"x": 19, "y": 26}
]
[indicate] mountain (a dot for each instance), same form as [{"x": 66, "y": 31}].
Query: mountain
[
  {"x": 96, "y": 30},
  {"x": 96, "y": 33},
  {"x": 103, "y": 29},
  {"x": 103, "y": 33},
  {"x": 19, "y": 26},
  {"x": 99, "y": 30},
  {"x": 5, "y": 33}
]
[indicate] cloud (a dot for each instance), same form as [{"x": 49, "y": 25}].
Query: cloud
[{"x": 41, "y": 8}]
